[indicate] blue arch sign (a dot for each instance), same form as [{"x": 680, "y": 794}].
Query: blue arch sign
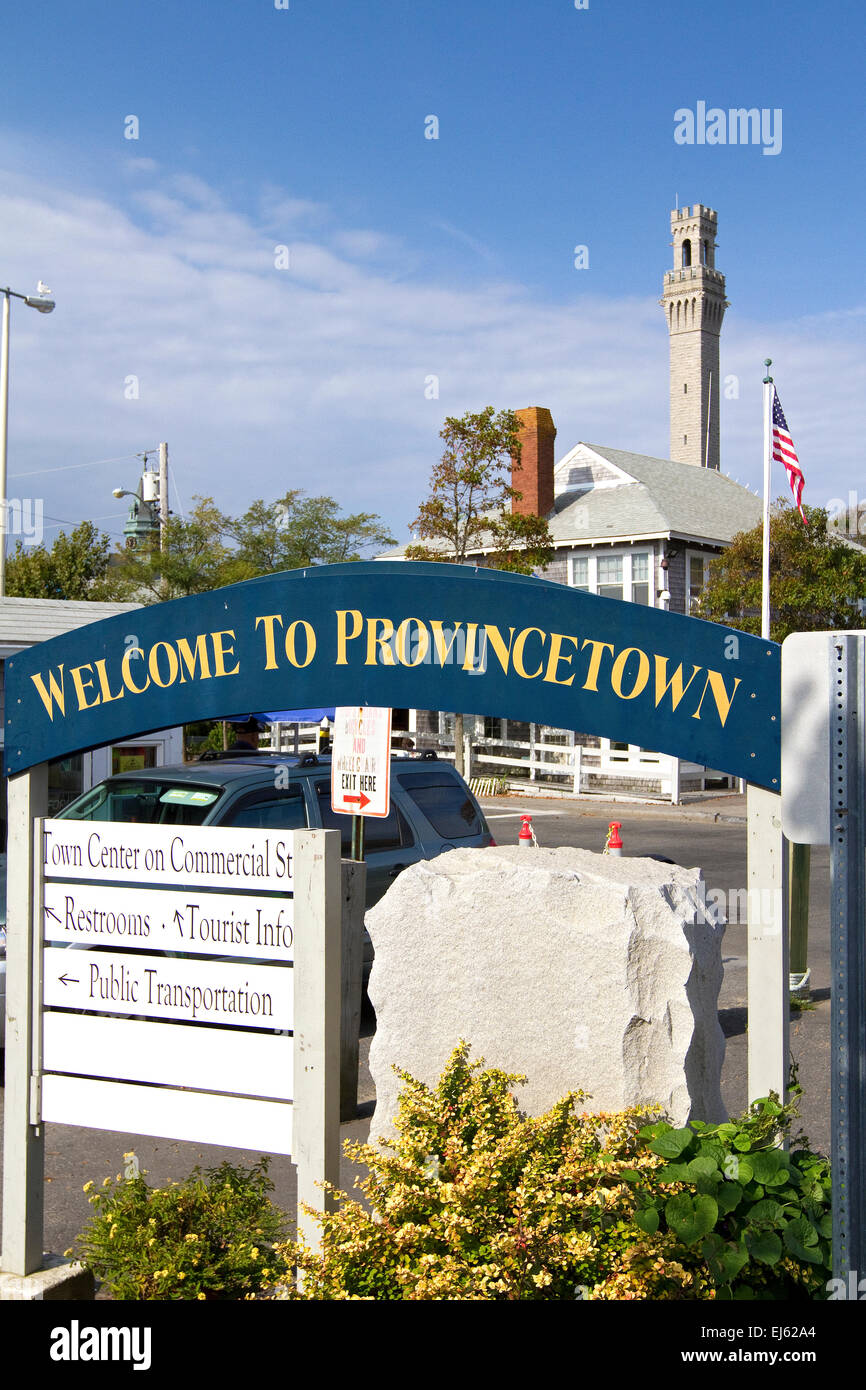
[{"x": 403, "y": 634}]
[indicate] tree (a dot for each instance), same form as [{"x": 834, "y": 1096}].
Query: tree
[
  {"x": 212, "y": 549},
  {"x": 465, "y": 513},
  {"x": 295, "y": 531},
  {"x": 194, "y": 557},
  {"x": 76, "y": 567},
  {"x": 468, "y": 510},
  {"x": 816, "y": 578}
]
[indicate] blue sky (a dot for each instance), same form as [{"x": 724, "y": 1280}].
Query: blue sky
[{"x": 409, "y": 257}]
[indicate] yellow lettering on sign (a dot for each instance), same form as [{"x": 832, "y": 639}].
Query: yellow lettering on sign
[
  {"x": 104, "y": 687},
  {"x": 494, "y": 637},
  {"x": 383, "y": 640},
  {"x": 343, "y": 637},
  {"x": 471, "y": 634},
  {"x": 716, "y": 682},
  {"x": 675, "y": 684},
  {"x": 153, "y": 664},
  {"x": 640, "y": 680},
  {"x": 443, "y": 652},
  {"x": 591, "y": 682},
  {"x": 54, "y": 694},
  {"x": 221, "y": 650},
  {"x": 557, "y": 655},
  {"x": 403, "y": 642},
  {"x": 518, "y": 654},
  {"x": 79, "y": 683},
  {"x": 270, "y": 649},
  {"x": 310, "y": 639},
  {"x": 127, "y": 674},
  {"x": 189, "y": 659}
]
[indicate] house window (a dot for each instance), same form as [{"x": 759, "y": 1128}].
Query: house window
[
  {"x": 698, "y": 576},
  {"x": 623, "y": 574}
]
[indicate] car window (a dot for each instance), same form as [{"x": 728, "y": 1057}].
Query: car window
[
  {"x": 380, "y": 832},
  {"x": 273, "y": 809},
  {"x": 444, "y": 802},
  {"x": 145, "y": 803}
]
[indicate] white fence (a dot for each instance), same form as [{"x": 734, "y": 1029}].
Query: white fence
[{"x": 550, "y": 757}]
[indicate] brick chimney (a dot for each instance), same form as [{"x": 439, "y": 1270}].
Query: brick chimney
[{"x": 533, "y": 477}]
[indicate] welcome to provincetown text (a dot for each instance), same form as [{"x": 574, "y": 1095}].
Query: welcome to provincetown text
[{"x": 531, "y": 653}]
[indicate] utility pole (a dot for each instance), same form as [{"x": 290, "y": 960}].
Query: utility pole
[{"x": 163, "y": 493}]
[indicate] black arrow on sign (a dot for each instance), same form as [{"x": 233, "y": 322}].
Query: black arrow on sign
[
  {"x": 68, "y": 980},
  {"x": 51, "y": 913}
]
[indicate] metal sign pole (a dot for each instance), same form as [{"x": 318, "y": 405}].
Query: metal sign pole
[{"x": 848, "y": 952}]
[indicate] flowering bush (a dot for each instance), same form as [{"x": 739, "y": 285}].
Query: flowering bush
[
  {"x": 475, "y": 1201},
  {"x": 210, "y": 1237}
]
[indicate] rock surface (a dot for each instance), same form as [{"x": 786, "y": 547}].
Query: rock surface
[{"x": 578, "y": 970}]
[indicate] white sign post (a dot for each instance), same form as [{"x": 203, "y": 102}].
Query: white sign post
[{"x": 361, "y": 761}]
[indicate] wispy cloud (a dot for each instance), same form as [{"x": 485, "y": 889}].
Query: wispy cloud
[{"x": 180, "y": 317}]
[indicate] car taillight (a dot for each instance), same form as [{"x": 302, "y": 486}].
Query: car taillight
[{"x": 492, "y": 843}]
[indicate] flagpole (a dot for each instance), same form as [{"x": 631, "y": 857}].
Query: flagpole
[{"x": 768, "y": 456}]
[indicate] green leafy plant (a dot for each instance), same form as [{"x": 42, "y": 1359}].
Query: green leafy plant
[
  {"x": 473, "y": 1200},
  {"x": 758, "y": 1214},
  {"x": 212, "y": 1236}
]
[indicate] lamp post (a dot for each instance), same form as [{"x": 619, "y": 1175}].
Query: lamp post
[{"x": 44, "y": 303}]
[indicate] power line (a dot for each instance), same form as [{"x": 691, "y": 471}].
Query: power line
[{"x": 66, "y": 467}]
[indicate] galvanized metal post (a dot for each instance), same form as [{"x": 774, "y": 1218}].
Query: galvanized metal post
[
  {"x": 848, "y": 952},
  {"x": 23, "y": 1136}
]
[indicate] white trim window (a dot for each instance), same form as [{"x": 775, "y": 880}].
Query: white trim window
[
  {"x": 697, "y": 577},
  {"x": 614, "y": 574}
]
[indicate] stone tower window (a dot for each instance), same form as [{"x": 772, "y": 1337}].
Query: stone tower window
[{"x": 687, "y": 252}]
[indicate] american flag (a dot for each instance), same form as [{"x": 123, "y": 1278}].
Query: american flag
[{"x": 784, "y": 452}]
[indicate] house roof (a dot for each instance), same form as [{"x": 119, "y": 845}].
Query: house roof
[
  {"x": 609, "y": 494},
  {"x": 26, "y": 621}
]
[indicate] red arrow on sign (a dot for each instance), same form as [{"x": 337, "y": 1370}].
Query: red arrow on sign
[{"x": 364, "y": 800}]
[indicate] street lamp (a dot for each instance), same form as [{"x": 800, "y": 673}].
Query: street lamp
[{"x": 42, "y": 301}]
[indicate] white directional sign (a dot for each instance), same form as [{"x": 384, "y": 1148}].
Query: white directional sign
[
  {"x": 204, "y": 855},
  {"x": 153, "y": 919},
  {"x": 196, "y": 991},
  {"x": 361, "y": 761},
  {"x": 180, "y": 1022}
]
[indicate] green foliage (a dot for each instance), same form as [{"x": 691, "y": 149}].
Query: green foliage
[
  {"x": 472, "y": 1200},
  {"x": 816, "y": 578},
  {"x": 757, "y": 1214},
  {"x": 211, "y": 549},
  {"x": 76, "y": 567},
  {"x": 210, "y": 1237},
  {"x": 296, "y": 531},
  {"x": 466, "y": 510}
]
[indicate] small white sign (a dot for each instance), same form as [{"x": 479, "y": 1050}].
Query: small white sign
[
  {"x": 153, "y": 919},
  {"x": 361, "y": 761},
  {"x": 197, "y": 991}
]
